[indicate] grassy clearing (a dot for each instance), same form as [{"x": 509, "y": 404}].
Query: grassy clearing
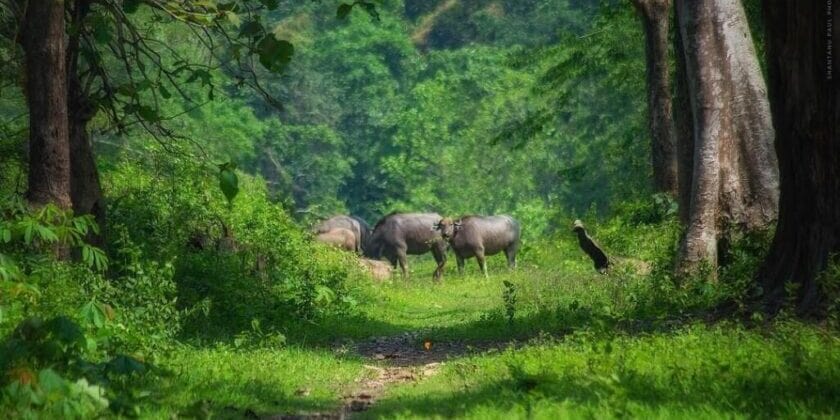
[
  {"x": 314, "y": 370},
  {"x": 725, "y": 371},
  {"x": 470, "y": 307},
  {"x": 264, "y": 381},
  {"x": 569, "y": 343},
  {"x": 585, "y": 345}
]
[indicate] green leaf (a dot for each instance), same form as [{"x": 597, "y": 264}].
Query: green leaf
[
  {"x": 130, "y": 6},
  {"x": 102, "y": 31},
  {"x": 80, "y": 225},
  {"x": 270, "y": 4},
  {"x": 144, "y": 84},
  {"x": 275, "y": 54},
  {"x": 148, "y": 113},
  {"x": 93, "y": 314},
  {"x": 251, "y": 28},
  {"x": 50, "y": 381},
  {"x": 202, "y": 74},
  {"x": 228, "y": 181},
  {"x": 94, "y": 392},
  {"x": 324, "y": 295},
  {"x": 46, "y": 234},
  {"x": 231, "y": 6},
  {"x": 27, "y": 233},
  {"x": 125, "y": 365},
  {"x": 343, "y": 10},
  {"x": 66, "y": 331},
  {"x": 127, "y": 90},
  {"x": 370, "y": 8},
  {"x": 233, "y": 18},
  {"x": 100, "y": 260}
]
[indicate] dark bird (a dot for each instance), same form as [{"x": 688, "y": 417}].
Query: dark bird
[{"x": 599, "y": 258}]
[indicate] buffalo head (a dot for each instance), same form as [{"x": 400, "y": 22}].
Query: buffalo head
[{"x": 447, "y": 227}]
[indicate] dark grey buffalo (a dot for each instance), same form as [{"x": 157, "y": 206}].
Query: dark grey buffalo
[
  {"x": 480, "y": 236},
  {"x": 400, "y": 234},
  {"x": 354, "y": 224}
]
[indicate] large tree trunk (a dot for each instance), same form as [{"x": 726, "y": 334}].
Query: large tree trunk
[
  {"x": 684, "y": 128},
  {"x": 85, "y": 188},
  {"x": 735, "y": 176},
  {"x": 805, "y": 100},
  {"x": 655, "y": 15},
  {"x": 42, "y": 39}
]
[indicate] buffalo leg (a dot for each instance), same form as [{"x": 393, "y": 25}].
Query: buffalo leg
[
  {"x": 460, "y": 260},
  {"x": 403, "y": 263},
  {"x": 510, "y": 253},
  {"x": 392, "y": 258},
  {"x": 482, "y": 263},
  {"x": 440, "y": 258}
]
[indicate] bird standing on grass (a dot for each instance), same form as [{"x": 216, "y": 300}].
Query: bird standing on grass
[{"x": 599, "y": 258}]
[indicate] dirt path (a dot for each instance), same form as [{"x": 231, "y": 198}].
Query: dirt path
[{"x": 395, "y": 360}]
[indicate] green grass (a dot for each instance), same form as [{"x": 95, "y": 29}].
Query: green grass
[
  {"x": 264, "y": 381},
  {"x": 469, "y": 306},
  {"x": 593, "y": 348},
  {"x": 580, "y": 345},
  {"x": 312, "y": 373},
  {"x": 724, "y": 371}
]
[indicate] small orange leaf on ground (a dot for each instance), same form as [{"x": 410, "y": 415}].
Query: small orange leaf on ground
[{"x": 427, "y": 344}]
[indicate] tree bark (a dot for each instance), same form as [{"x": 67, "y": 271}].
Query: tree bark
[
  {"x": 684, "y": 128},
  {"x": 804, "y": 99},
  {"x": 85, "y": 188},
  {"x": 42, "y": 39},
  {"x": 734, "y": 183},
  {"x": 655, "y": 15}
]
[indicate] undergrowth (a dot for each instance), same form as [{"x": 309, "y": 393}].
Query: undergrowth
[{"x": 262, "y": 321}]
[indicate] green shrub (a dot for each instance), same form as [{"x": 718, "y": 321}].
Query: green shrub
[
  {"x": 829, "y": 281},
  {"x": 232, "y": 262},
  {"x": 49, "y": 395},
  {"x": 63, "y": 324}
]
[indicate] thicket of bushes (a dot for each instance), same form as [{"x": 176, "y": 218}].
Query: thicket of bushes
[{"x": 82, "y": 336}]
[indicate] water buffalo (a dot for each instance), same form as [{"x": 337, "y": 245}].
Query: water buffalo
[
  {"x": 340, "y": 237},
  {"x": 480, "y": 236},
  {"x": 360, "y": 229},
  {"x": 399, "y": 234},
  {"x": 364, "y": 232},
  {"x": 378, "y": 270}
]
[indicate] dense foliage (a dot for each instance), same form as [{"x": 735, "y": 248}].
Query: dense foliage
[{"x": 376, "y": 119}]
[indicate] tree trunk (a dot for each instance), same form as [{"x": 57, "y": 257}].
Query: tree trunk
[
  {"x": 85, "y": 188},
  {"x": 734, "y": 183},
  {"x": 684, "y": 128},
  {"x": 656, "y": 22},
  {"x": 805, "y": 99},
  {"x": 42, "y": 39}
]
